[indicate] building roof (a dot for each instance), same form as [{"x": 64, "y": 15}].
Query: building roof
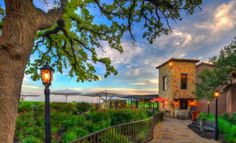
[
  {"x": 178, "y": 60},
  {"x": 205, "y": 64}
]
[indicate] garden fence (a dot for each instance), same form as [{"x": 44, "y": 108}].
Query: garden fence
[{"x": 132, "y": 132}]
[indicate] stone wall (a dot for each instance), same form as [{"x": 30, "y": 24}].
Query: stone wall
[
  {"x": 173, "y": 73},
  {"x": 165, "y": 71},
  {"x": 177, "y": 69}
]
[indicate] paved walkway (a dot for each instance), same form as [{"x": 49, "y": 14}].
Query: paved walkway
[{"x": 176, "y": 131}]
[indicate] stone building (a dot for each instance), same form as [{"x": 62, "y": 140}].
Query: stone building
[{"x": 177, "y": 83}]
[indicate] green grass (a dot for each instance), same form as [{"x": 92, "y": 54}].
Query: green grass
[{"x": 69, "y": 121}]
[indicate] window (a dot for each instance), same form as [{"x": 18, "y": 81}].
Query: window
[
  {"x": 183, "y": 104},
  {"x": 184, "y": 81},
  {"x": 164, "y": 83}
]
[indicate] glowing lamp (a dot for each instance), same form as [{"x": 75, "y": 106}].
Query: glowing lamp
[
  {"x": 216, "y": 93},
  {"x": 46, "y": 74},
  {"x": 208, "y": 102},
  {"x": 170, "y": 63}
]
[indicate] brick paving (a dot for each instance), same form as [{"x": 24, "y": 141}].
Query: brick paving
[{"x": 176, "y": 131}]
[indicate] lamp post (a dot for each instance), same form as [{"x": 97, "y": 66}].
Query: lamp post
[
  {"x": 208, "y": 107},
  {"x": 47, "y": 77},
  {"x": 153, "y": 106},
  {"x": 216, "y": 94}
]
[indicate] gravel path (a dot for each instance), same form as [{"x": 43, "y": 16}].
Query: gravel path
[{"x": 176, "y": 131}]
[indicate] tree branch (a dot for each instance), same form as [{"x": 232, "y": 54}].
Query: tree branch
[{"x": 46, "y": 20}]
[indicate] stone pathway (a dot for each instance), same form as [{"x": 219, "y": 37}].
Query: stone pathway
[{"x": 176, "y": 131}]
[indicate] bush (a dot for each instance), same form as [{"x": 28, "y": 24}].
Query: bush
[
  {"x": 69, "y": 136},
  {"x": 202, "y": 116},
  {"x": 64, "y": 107},
  {"x": 127, "y": 115},
  {"x": 113, "y": 136},
  {"x": 83, "y": 107},
  {"x": 225, "y": 116},
  {"x": 232, "y": 119},
  {"x": 228, "y": 129},
  {"x": 66, "y": 124},
  {"x": 31, "y": 139}
]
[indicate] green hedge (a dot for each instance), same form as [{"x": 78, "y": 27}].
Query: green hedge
[{"x": 69, "y": 121}]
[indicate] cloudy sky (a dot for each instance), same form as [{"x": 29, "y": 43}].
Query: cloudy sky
[{"x": 199, "y": 36}]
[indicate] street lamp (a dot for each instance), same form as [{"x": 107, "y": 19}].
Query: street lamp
[
  {"x": 153, "y": 106},
  {"x": 216, "y": 94},
  {"x": 208, "y": 107},
  {"x": 47, "y": 77}
]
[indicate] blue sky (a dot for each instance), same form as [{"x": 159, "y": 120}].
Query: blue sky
[{"x": 199, "y": 36}]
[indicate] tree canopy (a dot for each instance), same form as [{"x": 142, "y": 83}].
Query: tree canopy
[
  {"x": 71, "y": 44},
  {"x": 225, "y": 64}
]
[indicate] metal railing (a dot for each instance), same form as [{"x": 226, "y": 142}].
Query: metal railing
[{"x": 132, "y": 132}]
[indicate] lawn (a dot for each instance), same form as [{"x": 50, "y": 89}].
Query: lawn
[{"x": 69, "y": 121}]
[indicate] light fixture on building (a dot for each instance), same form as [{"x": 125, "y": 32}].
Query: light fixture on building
[{"x": 170, "y": 64}]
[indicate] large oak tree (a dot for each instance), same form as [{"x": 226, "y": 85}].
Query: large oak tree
[{"x": 68, "y": 37}]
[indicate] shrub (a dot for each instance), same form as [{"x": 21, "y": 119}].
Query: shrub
[
  {"x": 225, "y": 116},
  {"x": 69, "y": 136},
  {"x": 83, "y": 107},
  {"x": 31, "y": 139},
  {"x": 232, "y": 119},
  {"x": 113, "y": 136},
  {"x": 72, "y": 121},
  {"x": 202, "y": 116},
  {"x": 228, "y": 129},
  {"x": 64, "y": 107},
  {"x": 66, "y": 124}
]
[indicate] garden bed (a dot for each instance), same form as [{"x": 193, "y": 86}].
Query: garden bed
[
  {"x": 205, "y": 134},
  {"x": 69, "y": 121}
]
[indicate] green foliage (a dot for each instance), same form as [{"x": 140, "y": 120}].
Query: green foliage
[
  {"x": 226, "y": 126},
  {"x": 71, "y": 44},
  {"x": 232, "y": 118},
  {"x": 69, "y": 136},
  {"x": 228, "y": 129},
  {"x": 202, "y": 116},
  {"x": 83, "y": 107},
  {"x": 225, "y": 64},
  {"x": 31, "y": 139},
  {"x": 114, "y": 136},
  {"x": 126, "y": 115},
  {"x": 73, "y": 134},
  {"x": 66, "y": 124}
]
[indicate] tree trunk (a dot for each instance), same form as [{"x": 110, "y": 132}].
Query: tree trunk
[
  {"x": 11, "y": 76},
  {"x": 16, "y": 45},
  {"x": 16, "y": 42}
]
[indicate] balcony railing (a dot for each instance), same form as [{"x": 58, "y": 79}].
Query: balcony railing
[{"x": 132, "y": 132}]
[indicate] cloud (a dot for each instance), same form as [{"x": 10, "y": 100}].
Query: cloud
[
  {"x": 130, "y": 52},
  {"x": 176, "y": 39},
  {"x": 30, "y": 86},
  {"x": 125, "y": 90},
  {"x": 146, "y": 82},
  {"x": 222, "y": 19}
]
